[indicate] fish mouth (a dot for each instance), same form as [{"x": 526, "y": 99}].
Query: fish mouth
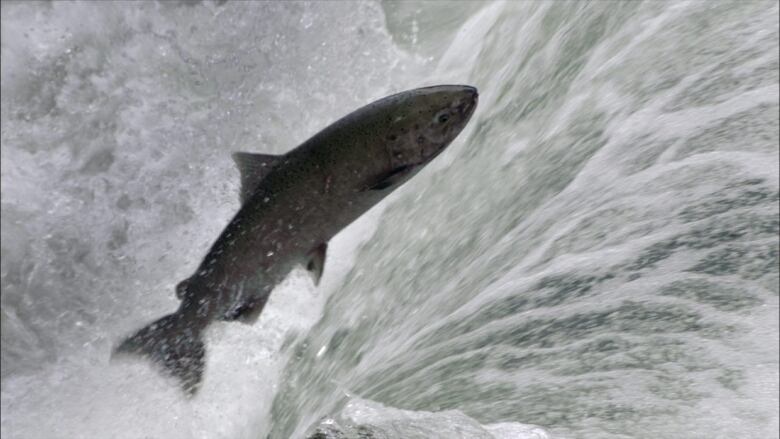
[
  {"x": 469, "y": 101},
  {"x": 471, "y": 90},
  {"x": 463, "y": 101}
]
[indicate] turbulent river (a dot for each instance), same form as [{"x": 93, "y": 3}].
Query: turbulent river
[{"x": 596, "y": 256}]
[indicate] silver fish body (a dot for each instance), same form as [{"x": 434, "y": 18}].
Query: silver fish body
[{"x": 292, "y": 205}]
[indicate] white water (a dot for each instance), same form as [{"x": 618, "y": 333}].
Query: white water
[{"x": 597, "y": 253}]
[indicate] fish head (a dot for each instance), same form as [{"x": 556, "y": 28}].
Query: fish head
[{"x": 425, "y": 121}]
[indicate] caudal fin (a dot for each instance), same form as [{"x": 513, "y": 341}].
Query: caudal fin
[{"x": 173, "y": 343}]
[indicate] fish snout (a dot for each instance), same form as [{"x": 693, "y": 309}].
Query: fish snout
[
  {"x": 469, "y": 97},
  {"x": 462, "y": 105}
]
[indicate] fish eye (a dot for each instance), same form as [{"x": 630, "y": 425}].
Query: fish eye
[{"x": 443, "y": 118}]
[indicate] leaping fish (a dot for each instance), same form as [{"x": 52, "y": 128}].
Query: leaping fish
[{"x": 291, "y": 206}]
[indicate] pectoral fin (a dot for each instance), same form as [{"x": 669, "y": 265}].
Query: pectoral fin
[
  {"x": 390, "y": 178},
  {"x": 317, "y": 262}
]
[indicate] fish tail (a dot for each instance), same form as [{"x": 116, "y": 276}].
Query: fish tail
[{"x": 175, "y": 344}]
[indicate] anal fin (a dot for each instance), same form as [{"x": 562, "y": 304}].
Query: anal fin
[
  {"x": 182, "y": 288},
  {"x": 248, "y": 312},
  {"x": 316, "y": 262}
]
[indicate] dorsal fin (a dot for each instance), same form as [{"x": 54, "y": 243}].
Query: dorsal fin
[{"x": 253, "y": 168}]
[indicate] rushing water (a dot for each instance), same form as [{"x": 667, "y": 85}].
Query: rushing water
[{"x": 597, "y": 254}]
